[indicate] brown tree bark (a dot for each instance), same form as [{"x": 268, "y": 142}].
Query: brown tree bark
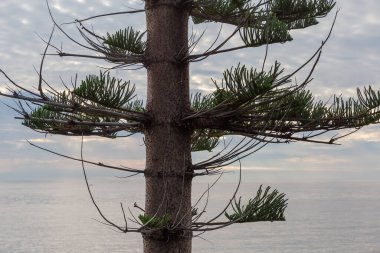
[{"x": 168, "y": 148}]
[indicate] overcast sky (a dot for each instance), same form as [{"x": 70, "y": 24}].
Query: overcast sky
[{"x": 349, "y": 60}]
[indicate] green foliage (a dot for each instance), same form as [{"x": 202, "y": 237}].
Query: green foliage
[
  {"x": 89, "y": 109},
  {"x": 368, "y": 97},
  {"x": 47, "y": 120},
  {"x": 127, "y": 41},
  {"x": 354, "y": 112},
  {"x": 294, "y": 14},
  {"x": 64, "y": 97},
  {"x": 250, "y": 101},
  {"x": 300, "y": 13},
  {"x": 155, "y": 222},
  {"x": 266, "y": 206},
  {"x": 294, "y": 8},
  {"x": 200, "y": 102},
  {"x": 240, "y": 86},
  {"x": 62, "y": 115},
  {"x": 107, "y": 91},
  {"x": 266, "y": 32},
  {"x": 242, "y": 90},
  {"x": 246, "y": 84},
  {"x": 223, "y": 8},
  {"x": 299, "y": 105},
  {"x": 152, "y": 222},
  {"x": 204, "y": 140},
  {"x": 136, "y": 105}
]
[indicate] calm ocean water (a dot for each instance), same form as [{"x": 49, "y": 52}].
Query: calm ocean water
[{"x": 59, "y": 217}]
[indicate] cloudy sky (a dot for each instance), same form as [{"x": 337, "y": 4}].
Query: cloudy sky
[{"x": 349, "y": 60}]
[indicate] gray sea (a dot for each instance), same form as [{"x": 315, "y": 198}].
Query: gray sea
[{"x": 58, "y": 216}]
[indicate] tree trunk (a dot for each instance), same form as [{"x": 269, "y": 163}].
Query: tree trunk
[{"x": 168, "y": 155}]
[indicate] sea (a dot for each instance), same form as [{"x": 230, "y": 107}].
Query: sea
[{"x": 58, "y": 216}]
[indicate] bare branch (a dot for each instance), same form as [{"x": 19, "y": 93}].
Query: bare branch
[
  {"x": 126, "y": 169},
  {"x": 43, "y": 96},
  {"x": 104, "y": 15}
]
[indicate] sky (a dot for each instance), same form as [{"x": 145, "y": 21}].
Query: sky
[{"x": 350, "y": 59}]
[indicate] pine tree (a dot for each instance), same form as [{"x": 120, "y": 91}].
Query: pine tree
[{"x": 261, "y": 105}]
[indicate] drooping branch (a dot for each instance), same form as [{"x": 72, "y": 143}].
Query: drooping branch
[{"x": 124, "y": 229}]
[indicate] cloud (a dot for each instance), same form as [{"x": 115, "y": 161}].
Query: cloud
[
  {"x": 41, "y": 140},
  {"x": 316, "y": 160},
  {"x": 367, "y": 136}
]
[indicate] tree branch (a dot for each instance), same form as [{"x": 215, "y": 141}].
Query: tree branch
[{"x": 100, "y": 164}]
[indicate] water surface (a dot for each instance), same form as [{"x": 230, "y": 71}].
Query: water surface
[{"x": 57, "y": 216}]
